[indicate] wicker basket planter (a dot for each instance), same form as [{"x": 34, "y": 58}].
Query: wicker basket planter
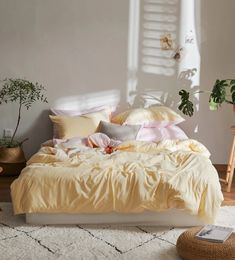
[{"x": 12, "y": 160}]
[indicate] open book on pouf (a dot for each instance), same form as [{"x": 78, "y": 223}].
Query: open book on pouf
[{"x": 214, "y": 233}]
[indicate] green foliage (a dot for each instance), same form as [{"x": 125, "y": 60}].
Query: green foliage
[
  {"x": 213, "y": 105},
  {"x": 23, "y": 92},
  {"x": 232, "y": 90},
  {"x": 6, "y": 142},
  {"x": 186, "y": 106},
  {"x": 218, "y": 96}
]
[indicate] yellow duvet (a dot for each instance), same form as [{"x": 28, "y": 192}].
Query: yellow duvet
[{"x": 138, "y": 176}]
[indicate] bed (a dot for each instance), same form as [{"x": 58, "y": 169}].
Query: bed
[
  {"x": 137, "y": 177},
  {"x": 166, "y": 182}
]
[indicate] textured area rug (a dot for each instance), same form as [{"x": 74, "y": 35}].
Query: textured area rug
[{"x": 21, "y": 241}]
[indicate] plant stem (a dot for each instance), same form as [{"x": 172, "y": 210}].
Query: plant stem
[
  {"x": 18, "y": 122},
  {"x": 26, "y": 139},
  {"x": 229, "y": 102},
  {"x": 209, "y": 92}
]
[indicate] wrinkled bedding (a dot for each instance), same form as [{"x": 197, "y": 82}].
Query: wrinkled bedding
[{"x": 137, "y": 176}]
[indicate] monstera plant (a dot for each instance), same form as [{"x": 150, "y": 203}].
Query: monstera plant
[
  {"x": 25, "y": 93},
  {"x": 223, "y": 91}
]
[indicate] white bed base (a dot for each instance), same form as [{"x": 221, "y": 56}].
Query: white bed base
[{"x": 172, "y": 217}]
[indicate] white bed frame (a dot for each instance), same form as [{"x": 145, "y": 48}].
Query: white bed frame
[{"x": 172, "y": 217}]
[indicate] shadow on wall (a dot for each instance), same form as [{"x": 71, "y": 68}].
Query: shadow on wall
[
  {"x": 151, "y": 69},
  {"x": 151, "y": 72},
  {"x": 191, "y": 124},
  {"x": 153, "y": 79},
  {"x": 148, "y": 62},
  {"x": 162, "y": 28},
  {"x": 151, "y": 97},
  {"x": 38, "y": 133}
]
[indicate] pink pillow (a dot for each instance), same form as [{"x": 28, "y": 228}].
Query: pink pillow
[
  {"x": 101, "y": 140},
  {"x": 93, "y": 140},
  {"x": 155, "y": 134},
  {"x": 175, "y": 132}
]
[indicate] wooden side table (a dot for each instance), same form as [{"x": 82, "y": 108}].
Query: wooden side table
[{"x": 231, "y": 164}]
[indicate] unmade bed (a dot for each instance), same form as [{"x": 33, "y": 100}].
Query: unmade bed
[{"x": 171, "y": 182}]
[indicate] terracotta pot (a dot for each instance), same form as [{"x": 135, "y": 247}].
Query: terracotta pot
[{"x": 12, "y": 160}]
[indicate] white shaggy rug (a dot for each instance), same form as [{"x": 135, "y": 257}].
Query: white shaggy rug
[{"x": 27, "y": 242}]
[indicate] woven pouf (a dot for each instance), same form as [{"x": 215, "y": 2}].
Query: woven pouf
[{"x": 191, "y": 248}]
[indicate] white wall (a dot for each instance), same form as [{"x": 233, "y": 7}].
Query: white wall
[
  {"x": 217, "y": 52},
  {"x": 79, "y": 51}
]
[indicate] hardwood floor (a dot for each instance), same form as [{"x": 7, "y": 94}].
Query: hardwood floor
[{"x": 229, "y": 197}]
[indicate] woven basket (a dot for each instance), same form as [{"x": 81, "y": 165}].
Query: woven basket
[
  {"x": 12, "y": 160},
  {"x": 191, "y": 248},
  {"x": 11, "y": 155}
]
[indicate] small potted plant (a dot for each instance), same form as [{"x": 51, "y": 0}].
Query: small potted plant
[
  {"x": 223, "y": 91},
  {"x": 24, "y": 93}
]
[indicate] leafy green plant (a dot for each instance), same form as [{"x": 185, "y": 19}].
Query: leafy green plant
[
  {"x": 223, "y": 91},
  {"x": 23, "y": 92}
]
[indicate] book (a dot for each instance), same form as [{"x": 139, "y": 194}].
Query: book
[{"x": 212, "y": 233}]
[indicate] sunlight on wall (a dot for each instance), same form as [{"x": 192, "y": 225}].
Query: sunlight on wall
[
  {"x": 148, "y": 21},
  {"x": 190, "y": 39},
  {"x": 109, "y": 98},
  {"x": 189, "y": 28},
  {"x": 148, "y": 63},
  {"x": 133, "y": 43},
  {"x": 159, "y": 17}
]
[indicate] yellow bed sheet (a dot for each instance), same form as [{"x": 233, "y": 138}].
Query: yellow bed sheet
[{"x": 138, "y": 176}]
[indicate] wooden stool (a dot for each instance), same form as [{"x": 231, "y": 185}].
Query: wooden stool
[
  {"x": 231, "y": 164},
  {"x": 191, "y": 248}
]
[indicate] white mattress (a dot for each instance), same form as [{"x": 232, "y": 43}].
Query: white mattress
[{"x": 172, "y": 217}]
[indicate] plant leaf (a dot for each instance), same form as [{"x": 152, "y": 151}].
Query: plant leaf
[
  {"x": 186, "y": 106},
  {"x": 218, "y": 94}
]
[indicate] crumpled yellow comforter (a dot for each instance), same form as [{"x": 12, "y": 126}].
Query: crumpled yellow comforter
[{"x": 138, "y": 176}]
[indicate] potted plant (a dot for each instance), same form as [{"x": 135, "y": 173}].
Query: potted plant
[
  {"x": 223, "y": 91},
  {"x": 24, "y": 93}
]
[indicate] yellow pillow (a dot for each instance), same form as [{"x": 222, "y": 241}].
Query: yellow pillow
[
  {"x": 82, "y": 126},
  {"x": 156, "y": 116}
]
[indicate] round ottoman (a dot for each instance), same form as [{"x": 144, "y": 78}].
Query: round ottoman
[{"x": 191, "y": 248}]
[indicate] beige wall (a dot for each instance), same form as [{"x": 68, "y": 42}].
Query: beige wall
[{"x": 79, "y": 51}]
